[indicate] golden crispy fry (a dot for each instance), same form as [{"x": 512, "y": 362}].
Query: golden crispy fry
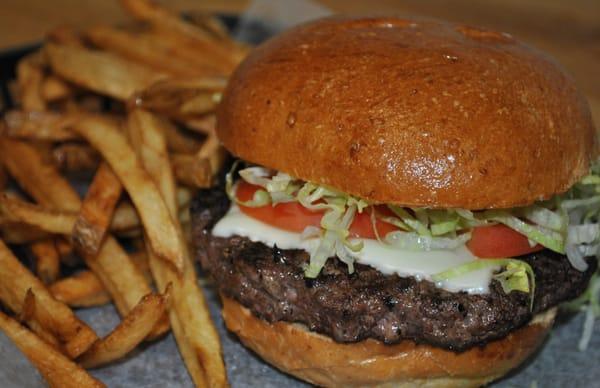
[
  {"x": 48, "y": 220},
  {"x": 170, "y": 23},
  {"x": 134, "y": 328},
  {"x": 211, "y": 25},
  {"x": 97, "y": 210},
  {"x": 66, "y": 253},
  {"x": 54, "y": 88},
  {"x": 54, "y": 316},
  {"x": 190, "y": 320},
  {"x": 212, "y": 151},
  {"x": 125, "y": 218},
  {"x": 83, "y": 289},
  {"x": 29, "y": 315},
  {"x": 148, "y": 129},
  {"x": 119, "y": 275},
  {"x": 180, "y": 141},
  {"x": 40, "y": 125},
  {"x": 182, "y": 99},
  {"x": 30, "y": 75},
  {"x": 19, "y": 233},
  {"x": 204, "y": 65},
  {"x": 56, "y": 369},
  {"x": 142, "y": 49},
  {"x": 65, "y": 35},
  {"x": 37, "y": 178},
  {"x": 73, "y": 157},
  {"x": 204, "y": 124},
  {"x": 101, "y": 72},
  {"x": 158, "y": 224},
  {"x": 47, "y": 264},
  {"x": 112, "y": 265},
  {"x": 192, "y": 171}
]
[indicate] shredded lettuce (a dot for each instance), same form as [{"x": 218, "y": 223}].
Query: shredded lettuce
[
  {"x": 516, "y": 275},
  {"x": 567, "y": 224}
]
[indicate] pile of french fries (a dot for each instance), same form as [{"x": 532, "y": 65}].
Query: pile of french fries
[{"x": 132, "y": 109}]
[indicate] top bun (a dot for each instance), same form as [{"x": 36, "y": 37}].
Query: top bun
[{"x": 410, "y": 112}]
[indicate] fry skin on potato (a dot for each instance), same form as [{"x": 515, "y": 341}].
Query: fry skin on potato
[
  {"x": 83, "y": 289},
  {"x": 113, "y": 266},
  {"x": 47, "y": 264},
  {"x": 56, "y": 317},
  {"x": 56, "y": 369},
  {"x": 157, "y": 221},
  {"x": 102, "y": 72},
  {"x": 97, "y": 211},
  {"x": 132, "y": 330},
  {"x": 192, "y": 326}
]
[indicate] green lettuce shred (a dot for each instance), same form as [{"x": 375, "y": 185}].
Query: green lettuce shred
[{"x": 517, "y": 275}]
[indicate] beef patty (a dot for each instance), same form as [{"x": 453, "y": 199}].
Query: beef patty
[{"x": 368, "y": 304}]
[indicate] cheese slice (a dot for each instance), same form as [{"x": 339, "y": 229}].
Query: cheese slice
[{"x": 386, "y": 259}]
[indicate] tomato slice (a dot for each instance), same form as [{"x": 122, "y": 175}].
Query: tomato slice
[
  {"x": 294, "y": 217},
  {"x": 497, "y": 241},
  {"x": 486, "y": 241}
]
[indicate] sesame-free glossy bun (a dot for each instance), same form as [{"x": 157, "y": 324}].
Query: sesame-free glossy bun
[
  {"x": 416, "y": 113},
  {"x": 321, "y": 361}
]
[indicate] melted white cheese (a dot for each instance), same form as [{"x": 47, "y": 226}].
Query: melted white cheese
[{"x": 386, "y": 259}]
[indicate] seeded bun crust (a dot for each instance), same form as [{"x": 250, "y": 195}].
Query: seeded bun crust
[
  {"x": 416, "y": 113},
  {"x": 321, "y": 361}
]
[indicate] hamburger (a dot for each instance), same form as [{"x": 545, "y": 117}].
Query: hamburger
[{"x": 412, "y": 201}]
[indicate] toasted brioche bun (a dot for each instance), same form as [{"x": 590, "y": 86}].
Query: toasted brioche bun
[
  {"x": 319, "y": 360},
  {"x": 415, "y": 113}
]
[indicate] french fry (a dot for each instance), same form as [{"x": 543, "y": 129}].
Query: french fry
[
  {"x": 210, "y": 24},
  {"x": 73, "y": 157},
  {"x": 54, "y": 88},
  {"x": 179, "y": 141},
  {"x": 16, "y": 280},
  {"x": 29, "y": 315},
  {"x": 142, "y": 49},
  {"x": 125, "y": 218},
  {"x": 141, "y": 127},
  {"x": 65, "y": 252},
  {"x": 29, "y": 77},
  {"x": 212, "y": 151},
  {"x": 182, "y": 98},
  {"x": 131, "y": 332},
  {"x": 56, "y": 369},
  {"x": 97, "y": 210},
  {"x": 192, "y": 171},
  {"x": 170, "y": 23},
  {"x": 19, "y": 233},
  {"x": 47, "y": 260},
  {"x": 204, "y": 124},
  {"x": 83, "y": 289},
  {"x": 39, "y": 125},
  {"x": 37, "y": 178},
  {"x": 192, "y": 326},
  {"x": 66, "y": 35},
  {"x": 158, "y": 224},
  {"x": 112, "y": 265},
  {"x": 48, "y": 220},
  {"x": 101, "y": 72}
]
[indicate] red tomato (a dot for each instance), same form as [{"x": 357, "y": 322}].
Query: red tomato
[
  {"x": 497, "y": 241},
  {"x": 294, "y": 217}
]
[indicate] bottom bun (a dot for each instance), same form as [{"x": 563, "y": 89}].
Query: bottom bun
[{"x": 320, "y": 360}]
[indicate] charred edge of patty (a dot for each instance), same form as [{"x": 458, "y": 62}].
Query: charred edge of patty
[{"x": 368, "y": 304}]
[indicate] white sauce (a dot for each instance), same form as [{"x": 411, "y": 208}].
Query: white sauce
[{"x": 384, "y": 258}]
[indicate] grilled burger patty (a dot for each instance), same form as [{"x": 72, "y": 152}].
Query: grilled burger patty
[{"x": 368, "y": 304}]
